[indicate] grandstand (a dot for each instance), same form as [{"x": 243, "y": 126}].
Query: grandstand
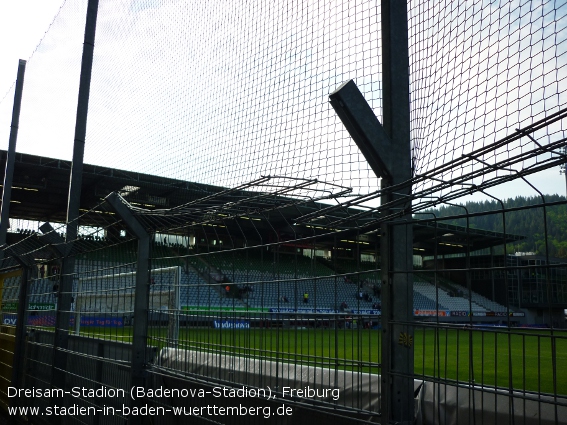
[
  {"x": 265, "y": 289},
  {"x": 262, "y": 276},
  {"x": 266, "y": 281},
  {"x": 260, "y": 279}
]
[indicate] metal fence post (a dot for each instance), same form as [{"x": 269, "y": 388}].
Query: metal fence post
[
  {"x": 20, "y": 344},
  {"x": 397, "y": 238},
  {"x": 19, "y": 348},
  {"x": 141, "y": 300},
  {"x": 63, "y": 314},
  {"x": 387, "y": 148},
  {"x": 11, "y": 156}
]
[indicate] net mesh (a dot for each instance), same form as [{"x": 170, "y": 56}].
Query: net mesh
[
  {"x": 229, "y": 105},
  {"x": 479, "y": 71},
  {"x": 244, "y": 93},
  {"x": 249, "y": 98},
  {"x": 51, "y": 83},
  {"x": 115, "y": 294}
]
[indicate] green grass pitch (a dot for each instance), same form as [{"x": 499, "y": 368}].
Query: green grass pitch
[{"x": 531, "y": 360}]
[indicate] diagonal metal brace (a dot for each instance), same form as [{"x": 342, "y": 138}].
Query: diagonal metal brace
[
  {"x": 23, "y": 259},
  {"x": 363, "y": 127},
  {"x": 117, "y": 203},
  {"x": 51, "y": 238}
]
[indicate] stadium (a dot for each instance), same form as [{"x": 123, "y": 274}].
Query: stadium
[{"x": 267, "y": 245}]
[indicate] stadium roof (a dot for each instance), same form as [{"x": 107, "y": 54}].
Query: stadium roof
[
  {"x": 40, "y": 190},
  {"x": 41, "y": 186}
]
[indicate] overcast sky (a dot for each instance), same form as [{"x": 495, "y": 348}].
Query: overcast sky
[
  {"x": 250, "y": 97},
  {"x": 22, "y": 25}
]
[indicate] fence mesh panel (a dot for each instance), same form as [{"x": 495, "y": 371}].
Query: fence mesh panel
[{"x": 229, "y": 236}]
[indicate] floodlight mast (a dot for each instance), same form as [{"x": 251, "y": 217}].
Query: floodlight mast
[{"x": 387, "y": 148}]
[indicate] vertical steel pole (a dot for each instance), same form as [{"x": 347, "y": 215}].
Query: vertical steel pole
[
  {"x": 4, "y": 217},
  {"x": 397, "y": 236},
  {"x": 493, "y": 292},
  {"x": 564, "y": 168},
  {"x": 66, "y": 286},
  {"x": 141, "y": 299},
  {"x": 81, "y": 122},
  {"x": 11, "y": 156},
  {"x": 173, "y": 313},
  {"x": 19, "y": 349},
  {"x": 141, "y": 308}
]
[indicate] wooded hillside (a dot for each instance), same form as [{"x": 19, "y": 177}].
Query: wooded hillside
[{"x": 527, "y": 222}]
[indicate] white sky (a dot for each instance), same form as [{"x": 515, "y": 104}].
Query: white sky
[
  {"x": 288, "y": 136},
  {"x": 22, "y": 25}
]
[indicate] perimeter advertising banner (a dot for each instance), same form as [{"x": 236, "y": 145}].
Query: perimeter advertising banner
[
  {"x": 102, "y": 322},
  {"x": 487, "y": 314},
  {"x": 13, "y": 306},
  {"x": 498, "y": 314},
  {"x": 40, "y": 320},
  {"x": 374, "y": 312},
  {"x": 303, "y": 310},
  {"x": 441, "y": 313},
  {"x": 231, "y": 324},
  {"x": 460, "y": 314},
  {"x": 227, "y": 309},
  {"x": 325, "y": 311},
  {"x": 49, "y": 320}
]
